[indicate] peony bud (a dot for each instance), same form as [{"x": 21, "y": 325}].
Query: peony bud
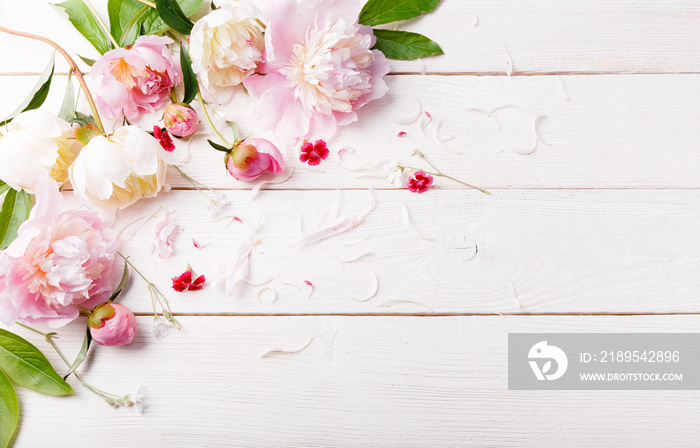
[
  {"x": 252, "y": 158},
  {"x": 112, "y": 324},
  {"x": 180, "y": 120}
]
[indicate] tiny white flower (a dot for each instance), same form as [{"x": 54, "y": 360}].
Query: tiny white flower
[{"x": 160, "y": 327}]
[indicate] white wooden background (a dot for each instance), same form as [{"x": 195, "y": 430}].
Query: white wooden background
[{"x": 592, "y": 227}]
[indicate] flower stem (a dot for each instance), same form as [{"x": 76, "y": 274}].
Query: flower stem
[
  {"x": 440, "y": 174},
  {"x": 194, "y": 183},
  {"x": 74, "y": 67},
  {"x": 101, "y": 23},
  {"x": 147, "y": 3},
  {"x": 209, "y": 122}
]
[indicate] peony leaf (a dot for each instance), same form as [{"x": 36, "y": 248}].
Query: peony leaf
[
  {"x": 38, "y": 94},
  {"x": 123, "y": 16},
  {"x": 67, "y": 111},
  {"x": 82, "y": 354},
  {"x": 121, "y": 285},
  {"x": 190, "y": 79},
  {"x": 82, "y": 19},
  {"x": 3, "y": 187},
  {"x": 153, "y": 24},
  {"x": 88, "y": 61},
  {"x": 219, "y": 147},
  {"x": 404, "y": 45},
  {"x": 15, "y": 210},
  {"x": 172, "y": 15},
  {"x": 377, "y": 12},
  {"x": 28, "y": 367},
  {"x": 9, "y": 410}
]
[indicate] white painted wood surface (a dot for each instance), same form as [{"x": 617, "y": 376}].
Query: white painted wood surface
[{"x": 600, "y": 217}]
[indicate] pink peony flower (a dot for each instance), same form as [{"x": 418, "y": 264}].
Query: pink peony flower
[
  {"x": 135, "y": 79},
  {"x": 252, "y": 158},
  {"x": 180, "y": 120},
  {"x": 318, "y": 69},
  {"x": 58, "y": 265},
  {"x": 112, "y": 324}
]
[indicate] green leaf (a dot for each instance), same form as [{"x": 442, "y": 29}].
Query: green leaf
[
  {"x": 38, "y": 94},
  {"x": 15, "y": 210},
  {"x": 3, "y": 187},
  {"x": 377, "y": 12},
  {"x": 123, "y": 15},
  {"x": 28, "y": 367},
  {"x": 9, "y": 410},
  {"x": 122, "y": 283},
  {"x": 153, "y": 24},
  {"x": 88, "y": 61},
  {"x": 234, "y": 128},
  {"x": 219, "y": 147},
  {"x": 172, "y": 15},
  {"x": 82, "y": 354},
  {"x": 404, "y": 45},
  {"x": 190, "y": 79},
  {"x": 82, "y": 19},
  {"x": 67, "y": 111}
]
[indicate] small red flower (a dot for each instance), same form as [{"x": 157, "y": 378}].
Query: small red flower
[
  {"x": 419, "y": 182},
  {"x": 161, "y": 134},
  {"x": 313, "y": 153},
  {"x": 184, "y": 282}
]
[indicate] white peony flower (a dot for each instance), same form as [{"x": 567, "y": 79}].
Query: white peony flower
[
  {"x": 226, "y": 46},
  {"x": 116, "y": 171},
  {"x": 36, "y": 143}
]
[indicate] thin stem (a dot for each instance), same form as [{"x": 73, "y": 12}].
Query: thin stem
[
  {"x": 439, "y": 174},
  {"x": 147, "y": 3},
  {"x": 193, "y": 182},
  {"x": 74, "y": 68},
  {"x": 209, "y": 122},
  {"x": 101, "y": 23}
]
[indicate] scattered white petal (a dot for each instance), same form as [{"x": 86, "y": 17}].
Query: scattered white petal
[
  {"x": 410, "y": 225},
  {"x": 308, "y": 283},
  {"x": 373, "y": 291},
  {"x": 164, "y": 230},
  {"x": 256, "y": 189},
  {"x": 216, "y": 205},
  {"x": 274, "y": 293},
  {"x": 351, "y": 259},
  {"x": 236, "y": 269},
  {"x": 338, "y": 226},
  {"x": 475, "y": 20},
  {"x": 413, "y": 117},
  {"x": 438, "y": 140},
  {"x": 516, "y": 300},
  {"x": 509, "y": 62},
  {"x": 287, "y": 283},
  {"x": 279, "y": 351},
  {"x": 423, "y": 69},
  {"x": 260, "y": 283},
  {"x": 562, "y": 86}
]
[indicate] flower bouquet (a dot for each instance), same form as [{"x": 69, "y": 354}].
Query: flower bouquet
[{"x": 164, "y": 70}]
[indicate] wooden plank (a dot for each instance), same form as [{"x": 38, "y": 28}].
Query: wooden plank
[
  {"x": 543, "y": 36},
  {"x": 526, "y": 251},
  {"x": 626, "y": 131},
  {"x": 363, "y": 381}
]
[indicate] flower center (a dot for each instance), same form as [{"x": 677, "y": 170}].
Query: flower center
[{"x": 330, "y": 69}]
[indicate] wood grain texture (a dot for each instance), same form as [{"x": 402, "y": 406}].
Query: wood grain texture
[
  {"x": 617, "y": 131},
  {"x": 543, "y": 36},
  {"x": 528, "y": 251},
  {"x": 363, "y": 381}
]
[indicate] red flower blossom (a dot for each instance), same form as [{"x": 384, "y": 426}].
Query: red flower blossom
[
  {"x": 161, "y": 134},
  {"x": 419, "y": 182},
  {"x": 313, "y": 153},
  {"x": 184, "y": 282}
]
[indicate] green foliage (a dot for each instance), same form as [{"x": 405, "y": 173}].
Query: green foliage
[
  {"x": 83, "y": 20},
  {"x": 9, "y": 411},
  {"x": 378, "y": 12},
  {"x": 15, "y": 210},
  {"x": 405, "y": 45}
]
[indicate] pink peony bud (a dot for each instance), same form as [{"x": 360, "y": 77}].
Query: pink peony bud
[
  {"x": 252, "y": 158},
  {"x": 112, "y": 324},
  {"x": 180, "y": 120}
]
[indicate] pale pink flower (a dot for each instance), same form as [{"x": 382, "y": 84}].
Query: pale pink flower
[
  {"x": 236, "y": 269},
  {"x": 163, "y": 232},
  {"x": 252, "y": 158},
  {"x": 135, "y": 79},
  {"x": 112, "y": 324},
  {"x": 58, "y": 265},
  {"x": 180, "y": 120},
  {"x": 319, "y": 69}
]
